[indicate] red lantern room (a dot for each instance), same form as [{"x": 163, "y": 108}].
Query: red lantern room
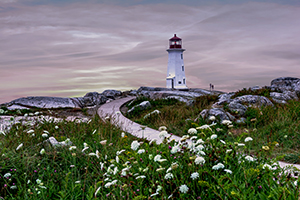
[{"x": 175, "y": 42}]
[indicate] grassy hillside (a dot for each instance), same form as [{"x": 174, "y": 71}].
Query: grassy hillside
[{"x": 222, "y": 162}]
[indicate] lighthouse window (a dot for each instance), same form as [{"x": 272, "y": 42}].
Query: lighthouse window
[
  {"x": 182, "y": 68},
  {"x": 181, "y": 56},
  {"x": 179, "y": 82},
  {"x": 184, "y": 81}
]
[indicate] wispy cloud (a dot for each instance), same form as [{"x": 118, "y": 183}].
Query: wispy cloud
[{"x": 72, "y": 48}]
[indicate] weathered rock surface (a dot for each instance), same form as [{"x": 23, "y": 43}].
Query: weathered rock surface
[
  {"x": 184, "y": 95},
  {"x": 43, "y": 102},
  {"x": 90, "y": 99},
  {"x": 219, "y": 113},
  {"x": 253, "y": 100},
  {"x": 283, "y": 97},
  {"x": 142, "y": 106},
  {"x": 112, "y": 94}
]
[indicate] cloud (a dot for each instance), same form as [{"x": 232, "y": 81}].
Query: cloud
[{"x": 73, "y": 48}]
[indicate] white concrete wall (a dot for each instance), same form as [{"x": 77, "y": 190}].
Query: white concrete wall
[{"x": 175, "y": 63}]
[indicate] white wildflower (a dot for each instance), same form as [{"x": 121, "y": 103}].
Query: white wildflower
[
  {"x": 103, "y": 142},
  {"x": 212, "y": 118},
  {"x": 140, "y": 151},
  {"x": 154, "y": 194},
  {"x": 194, "y": 175},
  {"x": 160, "y": 169},
  {"x": 228, "y": 171},
  {"x": 135, "y": 145},
  {"x": 199, "y": 160},
  {"x": 42, "y": 151},
  {"x": 222, "y": 141},
  {"x": 169, "y": 176},
  {"x": 38, "y": 181},
  {"x": 162, "y": 128},
  {"x": 157, "y": 158},
  {"x": 193, "y": 138},
  {"x": 228, "y": 150},
  {"x": 192, "y": 131},
  {"x": 44, "y": 135},
  {"x": 200, "y": 141},
  {"x": 214, "y": 136},
  {"x": 72, "y": 147},
  {"x": 85, "y": 148},
  {"x": 119, "y": 152},
  {"x": 30, "y": 131},
  {"x": 7, "y": 175},
  {"x": 226, "y": 122},
  {"x": 13, "y": 187},
  {"x": 19, "y": 146},
  {"x": 97, "y": 191},
  {"x": 249, "y": 158},
  {"x": 142, "y": 176},
  {"x": 77, "y": 182},
  {"x": 153, "y": 140},
  {"x": 218, "y": 166},
  {"x": 241, "y": 144},
  {"x": 204, "y": 127},
  {"x": 248, "y": 139},
  {"x": 122, "y": 134},
  {"x": 183, "y": 189},
  {"x": 117, "y": 159},
  {"x": 175, "y": 149},
  {"x": 163, "y": 134}
]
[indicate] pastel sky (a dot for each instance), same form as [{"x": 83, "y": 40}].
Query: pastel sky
[{"x": 69, "y": 47}]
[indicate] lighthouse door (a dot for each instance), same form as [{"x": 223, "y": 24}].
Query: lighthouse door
[{"x": 172, "y": 83}]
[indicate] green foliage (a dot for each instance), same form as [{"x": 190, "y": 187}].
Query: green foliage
[{"x": 177, "y": 116}]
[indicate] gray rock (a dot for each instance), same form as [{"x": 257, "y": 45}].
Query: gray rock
[
  {"x": 255, "y": 88},
  {"x": 219, "y": 113},
  {"x": 112, "y": 94},
  {"x": 43, "y": 102},
  {"x": 142, "y": 106},
  {"x": 284, "y": 81},
  {"x": 253, "y": 100},
  {"x": 16, "y": 107},
  {"x": 242, "y": 120},
  {"x": 94, "y": 98},
  {"x": 90, "y": 99},
  {"x": 285, "y": 96},
  {"x": 223, "y": 98},
  {"x": 237, "y": 108}
]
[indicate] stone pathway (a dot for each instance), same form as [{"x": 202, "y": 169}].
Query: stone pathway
[{"x": 112, "y": 110}]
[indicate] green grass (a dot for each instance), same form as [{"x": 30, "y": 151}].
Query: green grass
[
  {"x": 267, "y": 124},
  {"x": 131, "y": 168},
  {"x": 176, "y": 115}
]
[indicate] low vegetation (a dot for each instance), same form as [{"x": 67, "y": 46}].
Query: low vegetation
[{"x": 213, "y": 160}]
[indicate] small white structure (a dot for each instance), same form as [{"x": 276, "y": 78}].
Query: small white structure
[{"x": 176, "y": 72}]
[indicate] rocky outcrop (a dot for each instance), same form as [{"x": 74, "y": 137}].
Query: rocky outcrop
[
  {"x": 142, "y": 106},
  {"x": 91, "y": 99},
  {"x": 219, "y": 113},
  {"x": 112, "y": 94},
  {"x": 43, "y": 102},
  {"x": 184, "y": 95}
]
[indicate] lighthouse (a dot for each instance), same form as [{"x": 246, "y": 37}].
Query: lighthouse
[{"x": 176, "y": 71}]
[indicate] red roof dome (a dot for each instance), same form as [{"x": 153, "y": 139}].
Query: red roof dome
[{"x": 175, "y": 38}]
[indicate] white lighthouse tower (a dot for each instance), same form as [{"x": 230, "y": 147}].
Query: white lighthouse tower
[{"x": 176, "y": 72}]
